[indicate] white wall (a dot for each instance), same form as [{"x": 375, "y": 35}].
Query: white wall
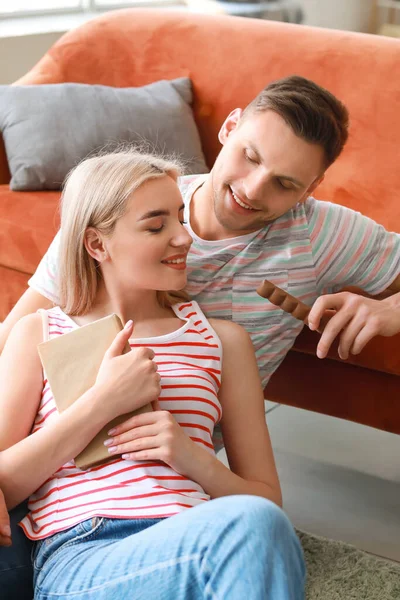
[
  {"x": 19, "y": 54},
  {"x": 353, "y": 15}
]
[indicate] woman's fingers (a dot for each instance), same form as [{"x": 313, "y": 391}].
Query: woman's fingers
[
  {"x": 136, "y": 445},
  {"x": 133, "y": 434},
  {"x": 118, "y": 344},
  {"x": 146, "y": 418},
  {"x": 156, "y": 404}
]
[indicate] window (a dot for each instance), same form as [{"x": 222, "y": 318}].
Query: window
[{"x": 19, "y": 8}]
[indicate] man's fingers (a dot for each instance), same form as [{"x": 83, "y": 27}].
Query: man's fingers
[
  {"x": 5, "y": 530},
  {"x": 335, "y": 325},
  {"x": 364, "y": 336},
  {"x": 348, "y": 336},
  {"x": 5, "y": 540},
  {"x": 323, "y": 303}
]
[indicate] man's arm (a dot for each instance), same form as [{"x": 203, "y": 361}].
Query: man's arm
[
  {"x": 29, "y": 303},
  {"x": 5, "y": 529}
]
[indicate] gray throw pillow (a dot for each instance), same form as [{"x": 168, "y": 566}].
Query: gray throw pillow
[{"x": 48, "y": 129}]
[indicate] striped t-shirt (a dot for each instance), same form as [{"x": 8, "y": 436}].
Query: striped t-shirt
[
  {"x": 315, "y": 248},
  {"x": 189, "y": 363}
]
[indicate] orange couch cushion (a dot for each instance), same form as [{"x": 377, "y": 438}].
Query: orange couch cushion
[{"x": 28, "y": 223}]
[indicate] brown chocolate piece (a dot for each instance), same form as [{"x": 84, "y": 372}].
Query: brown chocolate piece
[{"x": 298, "y": 309}]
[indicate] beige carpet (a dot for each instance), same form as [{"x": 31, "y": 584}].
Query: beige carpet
[{"x": 338, "y": 571}]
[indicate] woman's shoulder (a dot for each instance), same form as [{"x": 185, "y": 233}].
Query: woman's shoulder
[{"x": 229, "y": 332}]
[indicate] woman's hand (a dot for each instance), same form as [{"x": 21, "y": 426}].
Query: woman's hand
[
  {"x": 154, "y": 436},
  {"x": 357, "y": 320},
  {"x": 132, "y": 378},
  {"x": 5, "y": 530}
]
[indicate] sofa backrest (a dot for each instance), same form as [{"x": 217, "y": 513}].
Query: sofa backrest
[{"x": 229, "y": 60}]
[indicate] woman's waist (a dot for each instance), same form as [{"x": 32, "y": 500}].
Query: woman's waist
[{"x": 159, "y": 504}]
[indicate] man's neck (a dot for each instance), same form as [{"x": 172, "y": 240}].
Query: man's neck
[{"x": 202, "y": 214}]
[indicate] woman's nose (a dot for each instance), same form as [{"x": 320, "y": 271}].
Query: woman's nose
[{"x": 182, "y": 238}]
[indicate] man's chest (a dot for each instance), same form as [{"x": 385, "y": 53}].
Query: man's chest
[{"x": 225, "y": 281}]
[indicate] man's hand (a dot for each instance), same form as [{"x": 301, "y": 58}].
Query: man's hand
[
  {"x": 357, "y": 319},
  {"x": 5, "y": 530}
]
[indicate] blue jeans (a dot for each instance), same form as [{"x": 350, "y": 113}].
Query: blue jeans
[
  {"x": 231, "y": 548},
  {"x": 16, "y": 573}
]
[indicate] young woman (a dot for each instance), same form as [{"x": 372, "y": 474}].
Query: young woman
[{"x": 123, "y": 529}]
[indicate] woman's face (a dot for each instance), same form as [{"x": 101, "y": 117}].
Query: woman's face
[{"x": 148, "y": 247}]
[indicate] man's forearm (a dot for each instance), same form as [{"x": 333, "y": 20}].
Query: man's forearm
[{"x": 29, "y": 303}]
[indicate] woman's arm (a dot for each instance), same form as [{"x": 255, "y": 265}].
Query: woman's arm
[
  {"x": 157, "y": 435},
  {"x": 245, "y": 433},
  {"x": 26, "y": 461}
]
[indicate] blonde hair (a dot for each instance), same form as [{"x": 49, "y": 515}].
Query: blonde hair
[{"x": 95, "y": 195}]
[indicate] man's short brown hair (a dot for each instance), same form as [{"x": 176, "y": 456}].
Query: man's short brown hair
[{"x": 313, "y": 112}]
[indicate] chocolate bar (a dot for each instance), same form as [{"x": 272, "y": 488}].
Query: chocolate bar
[{"x": 295, "y": 307}]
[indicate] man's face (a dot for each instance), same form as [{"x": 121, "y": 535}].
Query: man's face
[{"x": 262, "y": 171}]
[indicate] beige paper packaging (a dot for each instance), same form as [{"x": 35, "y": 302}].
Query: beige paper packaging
[{"x": 71, "y": 363}]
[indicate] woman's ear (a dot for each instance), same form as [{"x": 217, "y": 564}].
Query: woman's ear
[{"x": 94, "y": 245}]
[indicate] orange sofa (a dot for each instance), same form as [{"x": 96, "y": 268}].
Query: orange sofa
[{"x": 229, "y": 60}]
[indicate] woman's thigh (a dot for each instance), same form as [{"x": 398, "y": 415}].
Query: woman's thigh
[{"x": 211, "y": 551}]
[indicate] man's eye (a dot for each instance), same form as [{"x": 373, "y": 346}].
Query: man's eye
[
  {"x": 251, "y": 159},
  {"x": 285, "y": 187}
]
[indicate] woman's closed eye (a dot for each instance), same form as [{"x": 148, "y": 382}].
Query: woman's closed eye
[
  {"x": 156, "y": 229},
  {"x": 161, "y": 227}
]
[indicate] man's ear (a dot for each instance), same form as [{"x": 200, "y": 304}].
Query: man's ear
[
  {"x": 229, "y": 125},
  {"x": 312, "y": 187},
  {"x": 94, "y": 245}
]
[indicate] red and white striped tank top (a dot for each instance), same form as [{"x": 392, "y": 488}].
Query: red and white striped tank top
[{"x": 189, "y": 363}]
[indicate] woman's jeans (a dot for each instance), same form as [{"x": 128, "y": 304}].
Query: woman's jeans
[{"x": 231, "y": 548}]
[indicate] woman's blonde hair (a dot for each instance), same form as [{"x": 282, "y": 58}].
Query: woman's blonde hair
[{"x": 95, "y": 195}]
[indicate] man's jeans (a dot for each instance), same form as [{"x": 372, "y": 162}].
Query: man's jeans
[
  {"x": 16, "y": 573},
  {"x": 231, "y": 548}
]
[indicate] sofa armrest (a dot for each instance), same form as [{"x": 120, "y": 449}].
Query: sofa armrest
[{"x": 4, "y": 170}]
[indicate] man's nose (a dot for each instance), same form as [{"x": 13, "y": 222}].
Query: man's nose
[{"x": 255, "y": 184}]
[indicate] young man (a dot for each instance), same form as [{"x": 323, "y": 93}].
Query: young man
[{"x": 253, "y": 217}]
